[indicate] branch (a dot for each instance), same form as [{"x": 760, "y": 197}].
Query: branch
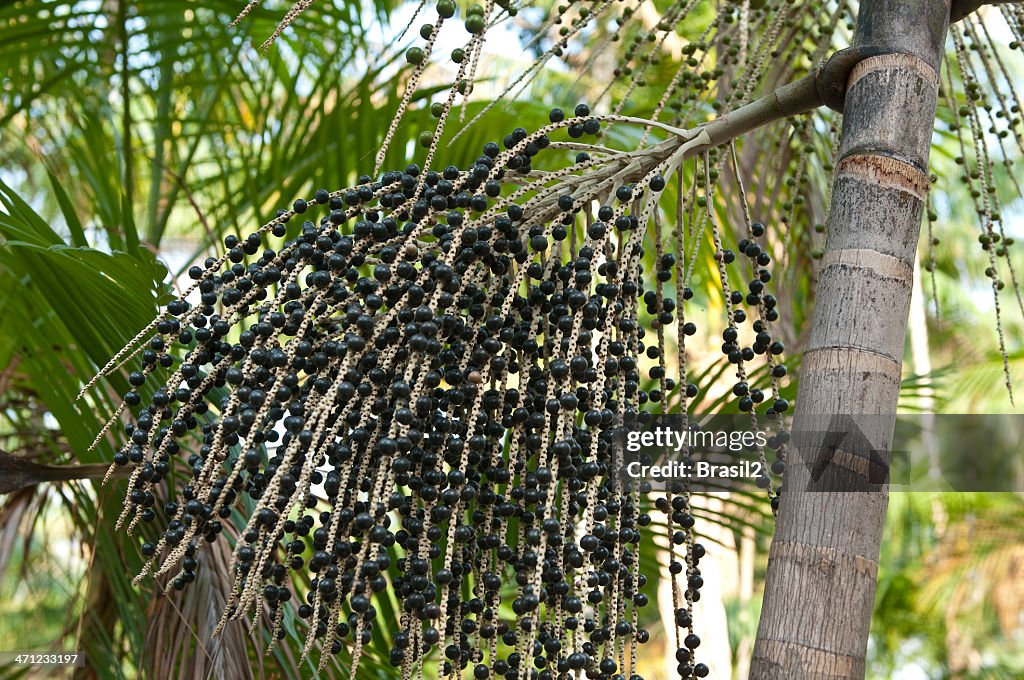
[
  {"x": 961, "y": 8},
  {"x": 18, "y": 473},
  {"x": 826, "y": 86},
  {"x": 789, "y": 100}
]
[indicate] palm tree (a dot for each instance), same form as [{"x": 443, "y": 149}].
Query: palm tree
[
  {"x": 214, "y": 137},
  {"x": 824, "y": 557}
]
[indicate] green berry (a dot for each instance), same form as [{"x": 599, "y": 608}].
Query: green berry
[
  {"x": 426, "y": 138},
  {"x": 446, "y": 9},
  {"x": 414, "y": 56},
  {"x": 475, "y": 24}
]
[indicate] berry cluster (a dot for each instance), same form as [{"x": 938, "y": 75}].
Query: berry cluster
[{"x": 420, "y": 391}]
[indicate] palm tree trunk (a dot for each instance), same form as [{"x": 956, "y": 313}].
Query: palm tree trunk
[{"x": 823, "y": 563}]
